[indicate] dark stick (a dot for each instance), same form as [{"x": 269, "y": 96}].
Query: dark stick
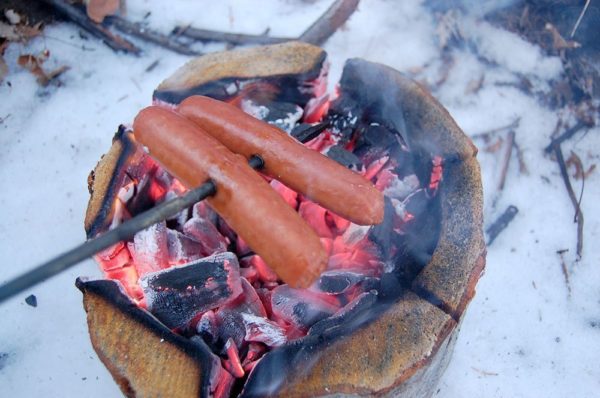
[
  {"x": 317, "y": 33},
  {"x": 510, "y": 140},
  {"x": 578, "y": 214},
  {"x": 564, "y": 136},
  {"x": 124, "y": 231},
  {"x": 329, "y": 22},
  {"x": 152, "y": 36},
  {"x": 501, "y": 223},
  {"x": 77, "y": 16},
  {"x": 565, "y": 271},
  {"x": 232, "y": 38}
]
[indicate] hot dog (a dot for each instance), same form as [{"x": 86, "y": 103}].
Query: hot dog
[
  {"x": 243, "y": 198},
  {"x": 321, "y": 179}
]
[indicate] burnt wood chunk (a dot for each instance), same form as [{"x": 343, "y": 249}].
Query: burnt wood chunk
[
  {"x": 286, "y": 67},
  {"x": 375, "y": 93},
  {"x": 178, "y": 294},
  {"x": 344, "y": 157},
  {"x": 143, "y": 356},
  {"x": 458, "y": 260},
  {"x": 305, "y": 132}
]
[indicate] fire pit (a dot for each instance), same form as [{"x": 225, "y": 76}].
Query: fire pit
[{"x": 188, "y": 310}]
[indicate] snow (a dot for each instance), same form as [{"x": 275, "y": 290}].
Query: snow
[{"x": 523, "y": 335}]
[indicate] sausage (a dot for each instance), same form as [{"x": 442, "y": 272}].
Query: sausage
[
  {"x": 321, "y": 179},
  {"x": 243, "y": 198}
]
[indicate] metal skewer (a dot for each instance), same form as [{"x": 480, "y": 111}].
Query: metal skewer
[{"x": 124, "y": 231}]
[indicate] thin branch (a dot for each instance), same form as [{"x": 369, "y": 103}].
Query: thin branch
[
  {"x": 329, "y": 22},
  {"x": 232, "y": 38},
  {"x": 488, "y": 133},
  {"x": 510, "y": 140},
  {"x": 578, "y": 214},
  {"x": 325, "y": 26},
  {"x": 585, "y": 7},
  {"x": 565, "y": 271},
  {"x": 565, "y": 136},
  {"x": 76, "y": 15},
  {"x": 501, "y": 223},
  {"x": 152, "y": 36}
]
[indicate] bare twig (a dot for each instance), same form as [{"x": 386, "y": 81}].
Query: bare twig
[
  {"x": 486, "y": 135},
  {"x": 585, "y": 7},
  {"x": 78, "y": 16},
  {"x": 565, "y": 136},
  {"x": 232, "y": 38},
  {"x": 565, "y": 271},
  {"x": 501, "y": 223},
  {"x": 522, "y": 165},
  {"x": 578, "y": 214},
  {"x": 329, "y": 22},
  {"x": 317, "y": 33},
  {"x": 152, "y": 36},
  {"x": 510, "y": 139}
]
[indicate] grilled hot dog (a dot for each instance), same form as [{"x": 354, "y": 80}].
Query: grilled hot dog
[
  {"x": 321, "y": 179},
  {"x": 246, "y": 202}
]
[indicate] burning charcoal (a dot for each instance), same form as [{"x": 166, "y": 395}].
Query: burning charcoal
[
  {"x": 247, "y": 302},
  {"x": 113, "y": 257},
  {"x": 149, "y": 249},
  {"x": 203, "y": 210},
  {"x": 233, "y": 364},
  {"x": 260, "y": 329},
  {"x": 344, "y": 157},
  {"x": 230, "y": 325},
  {"x": 356, "y": 313},
  {"x": 314, "y": 215},
  {"x": 336, "y": 282},
  {"x": 207, "y": 327},
  {"x": 383, "y": 233},
  {"x": 31, "y": 300},
  {"x": 322, "y": 142},
  {"x": 176, "y": 295},
  {"x": 206, "y": 234},
  {"x": 241, "y": 247},
  {"x": 305, "y": 132},
  {"x": 300, "y": 307},
  {"x": 375, "y": 167},
  {"x": 182, "y": 249},
  {"x": 375, "y": 141},
  {"x": 145, "y": 194},
  {"x": 395, "y": 187},
  {"x": 316, "y": 108},
  {"x": 265, "y": 273},
  {"x": 280, "y": 114},
  {"x": 128, "y": 276},
  {"x": 289, "y": 195},
  {"x": 178, "y": 220},
  {"x": 340, "y": 224},
  {"x": 222, "y": 384}
]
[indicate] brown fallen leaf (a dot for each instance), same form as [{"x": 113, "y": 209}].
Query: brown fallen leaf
[
  {"x": 97, "y": 10},
  {"x": 580, "y": 172},
  {"x": 558, "y": 41},
  {"x": 34, "y": 64},
  {"x": 3, "y": 66}
]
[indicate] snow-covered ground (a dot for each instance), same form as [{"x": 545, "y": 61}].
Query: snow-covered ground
[{"x": 523, "y": 335}]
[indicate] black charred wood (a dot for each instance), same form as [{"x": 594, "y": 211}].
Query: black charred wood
[
  {"x": 305, "y": 132},
  {"x": 176, "y": 295},
  {"x": 383, "y": 233},
  {"x": 359, "y": 309},
  {"x": 31, "y": 300},
  {"x": 344, "y": 157}
]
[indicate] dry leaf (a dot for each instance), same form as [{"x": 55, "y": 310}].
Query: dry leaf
[
  {"x": 3, "y": 69},
  {"x": 559, "y": 42},
  {"x": 34, "y": 64},
  {"x": 20, "y": 33},
  {"x": 97, "y": 10}
]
